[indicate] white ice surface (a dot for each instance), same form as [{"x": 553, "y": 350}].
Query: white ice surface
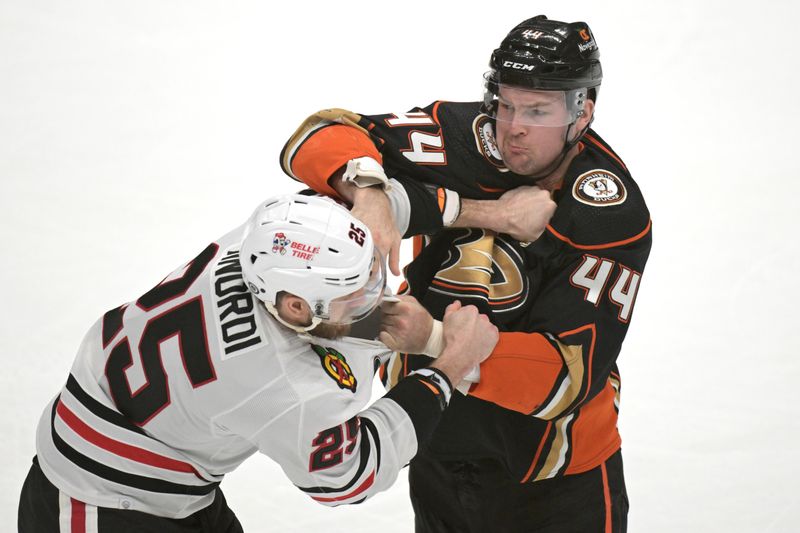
[{"x": 132, "y": 133}]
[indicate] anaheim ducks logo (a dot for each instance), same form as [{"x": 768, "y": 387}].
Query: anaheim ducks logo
[
  {"x": 336, "y": 366},
  {"x": 483, "y": 128},
  {"x": 599, "y": 187},
  {"x": 484, "y": 265}
]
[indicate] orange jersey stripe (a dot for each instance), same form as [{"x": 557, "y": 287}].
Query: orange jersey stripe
[
  {"x": 606, "y": 498},
  {"x": 483, "y": 290},
  {"x": 436, "y": 112},
  {"x": 431, "y": 387},
  {"x": 507, "y": 301},
  {"x": 419, "y": 244},
  {"x": 491, "y": 189},
  {"x": 600, "y": 246},
  {"x": 606, "y": 150}
]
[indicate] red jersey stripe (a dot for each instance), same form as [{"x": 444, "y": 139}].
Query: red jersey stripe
[
  {"x": 127, "y": 451},
  {"x": 78, "y": 516}
]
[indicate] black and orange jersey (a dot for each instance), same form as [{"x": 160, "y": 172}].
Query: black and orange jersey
[{"x": 547, "y": 401}]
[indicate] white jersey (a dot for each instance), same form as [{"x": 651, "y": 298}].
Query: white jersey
[{"x": 170, "y": 392}]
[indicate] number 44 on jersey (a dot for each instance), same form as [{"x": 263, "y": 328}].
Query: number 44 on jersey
[{"x": 592, "y": 276}]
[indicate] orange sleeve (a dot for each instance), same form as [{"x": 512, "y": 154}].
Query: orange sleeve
[
  {"x": 520, "y": 373},
  {"x": 326, "y": 151}
]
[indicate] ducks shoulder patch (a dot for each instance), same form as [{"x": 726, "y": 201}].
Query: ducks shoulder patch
[{"x": 599, "y": 187}]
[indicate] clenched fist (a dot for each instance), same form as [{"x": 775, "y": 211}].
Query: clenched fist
[
  {"x": 405, "y": 326},
  {"x": 469, "y": 338},
  {"x": 524, "y": 212}
]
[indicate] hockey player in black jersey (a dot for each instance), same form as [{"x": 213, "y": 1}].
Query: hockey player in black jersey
[{"x": 528, "y": 214}]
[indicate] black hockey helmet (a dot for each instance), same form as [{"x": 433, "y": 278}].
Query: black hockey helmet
[{"x": 544, "y": 54}]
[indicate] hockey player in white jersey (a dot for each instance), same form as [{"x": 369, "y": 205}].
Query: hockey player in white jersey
[{"x": 172, "y": 391}]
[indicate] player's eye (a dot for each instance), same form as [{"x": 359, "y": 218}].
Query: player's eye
[{"x": 535, "y": 112}]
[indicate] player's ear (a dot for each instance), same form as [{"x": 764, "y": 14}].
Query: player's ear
[{"x": 293, "y": 309}]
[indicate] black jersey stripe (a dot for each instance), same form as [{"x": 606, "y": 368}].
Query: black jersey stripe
[
  {"x": 100, "y": 410},
  {"x": 368, "y": 426},
  {"x": 366, "y": 450},
  {"x": 109, "y": 415},
  {"x": 117, "y": 476}
]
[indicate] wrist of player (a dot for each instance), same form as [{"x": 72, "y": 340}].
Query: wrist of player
[
  {"x": 453, "y": 367},
  {"x": 479, "y": 214},
  {"x": 345, "y": 189},
  {"x": 435, "y": 343}
]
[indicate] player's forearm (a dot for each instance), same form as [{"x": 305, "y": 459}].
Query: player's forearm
[
  {"x": 478, "y": 214},
  {"x": 523, "y": 213},
  {"x": 345, "y": 189}
]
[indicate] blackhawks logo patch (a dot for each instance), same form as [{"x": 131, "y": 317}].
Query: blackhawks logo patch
[
  {"x": 336, "y": 367},
  {"x": 599, "y": 187}
]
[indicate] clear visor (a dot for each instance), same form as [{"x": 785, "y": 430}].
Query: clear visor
[
  {"x": 530, "y": 107},
  {"x": 356, "y": 305}
]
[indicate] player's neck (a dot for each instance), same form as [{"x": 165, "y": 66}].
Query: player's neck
[{"x": 553, "y": 181}]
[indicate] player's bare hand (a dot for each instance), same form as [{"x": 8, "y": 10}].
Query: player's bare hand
[
  {"x": 406, "y": 325},
  {"x": 469, "y": 338},
  {"x": 371, "y": 206},
  {"x": 524, "y": 212}
]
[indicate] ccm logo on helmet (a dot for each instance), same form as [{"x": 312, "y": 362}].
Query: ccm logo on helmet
[{"x": 518, "y": 66}]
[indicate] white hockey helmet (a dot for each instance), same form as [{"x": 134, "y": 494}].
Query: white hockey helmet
[{"x": 312, "y": 247}]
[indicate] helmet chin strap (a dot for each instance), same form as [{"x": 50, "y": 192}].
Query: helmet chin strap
[{"x": 315, "y": 320}]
